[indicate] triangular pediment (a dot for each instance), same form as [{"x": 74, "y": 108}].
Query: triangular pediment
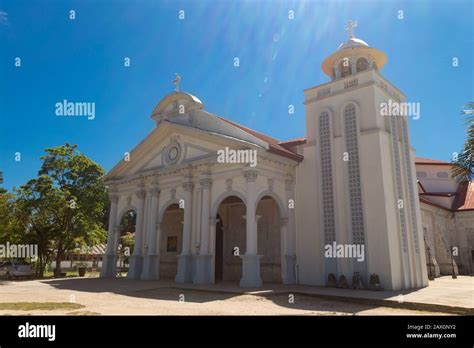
[
  {"x": 175, "y": 151},
  {"x": 171, "y": 145}
]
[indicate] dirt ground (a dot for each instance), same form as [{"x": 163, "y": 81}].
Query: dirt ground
[{"x": 125, "y": 297}]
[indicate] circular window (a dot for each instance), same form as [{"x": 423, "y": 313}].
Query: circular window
[{"x": 173, "y": 153}]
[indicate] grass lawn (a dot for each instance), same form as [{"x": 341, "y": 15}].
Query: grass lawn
[
  {"x": 32, "y": 306},
  {"x": 50, "y": 274}
]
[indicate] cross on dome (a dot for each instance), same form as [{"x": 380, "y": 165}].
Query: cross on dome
[
  {"x": 350, "y": 28},
  {"x": 176, "y": 82}
]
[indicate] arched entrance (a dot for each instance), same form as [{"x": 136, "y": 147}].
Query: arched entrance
[
  {"x": 171, "y": 240},
  {"x": 229, "y": 240},
  {"x": 126, "y": 241},
  {"x": 269, "y": 242}
]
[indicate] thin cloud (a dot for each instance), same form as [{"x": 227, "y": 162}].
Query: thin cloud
[{"x": 3, "y": 17}]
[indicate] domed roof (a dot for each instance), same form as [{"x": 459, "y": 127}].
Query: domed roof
[
  {"x": 172, "y": 104},
  {"x": 353, "y": 42},
  {"x": 353, "y": 47}
]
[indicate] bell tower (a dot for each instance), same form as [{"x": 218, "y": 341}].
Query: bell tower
[{"x": 359, "y": 168}]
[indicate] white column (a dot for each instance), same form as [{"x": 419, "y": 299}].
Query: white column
[
  {"x": 136, "y": 259},
  {"x": 155, "y": 196},
  {"x": 110, "y": 257},
  {"x": 290, "y": 251},
  {"x": 188, "y": 209},
  {"x": 337, "y": 72},
  {"x": 206, "y": 193},
  {"x": 251, "y": 232},
  {"x": 158, "y": 248},
  {"x": 151, "y": 259},
  {"x": 251, "y": 261},
  {"x": 353, "y": 66},
  {"x": 212, "y": 231},
  {"x": 203, "y": 260},
  {"x": 185, "y": 264}
]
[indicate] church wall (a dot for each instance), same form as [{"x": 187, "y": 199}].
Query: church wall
[
  {"x": 382, "y": 240},
  {"x": 308, "y": 233},
  {"x": 422, "y": 272},
  {"x": 464, "y": 232},
  {"x": 435, "y": 221},
  {"x": 443, "y": 230}
]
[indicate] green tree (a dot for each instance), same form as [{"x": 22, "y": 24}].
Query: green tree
[
  {"x": 7, "y": 224},
  {"x": 38, "y": 209},
  {"x": 82, "y": 198},
  {"x": 463, "y": 168}
]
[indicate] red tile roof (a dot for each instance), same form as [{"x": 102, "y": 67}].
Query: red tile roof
[
  {"x": 293, "y": 142},
  {"x": 423, "y": 160},
  {"x": 465, "y": 197},
  {"x": 421, "y": 187},
  {"x": 463, "y": 201},
  {"x": 439, "y": 194},
  {"x": 274, "y": 144},
  {"x": 424, "y": 200}
]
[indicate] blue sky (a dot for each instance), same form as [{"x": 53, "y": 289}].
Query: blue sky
[{"x": 82, "y": 60}]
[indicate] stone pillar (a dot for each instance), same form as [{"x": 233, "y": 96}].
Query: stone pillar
[
  {"x": 251, "y": 261},
  {"x": 203, "y": 260},
  {"x": 290, "y": 252},
  {"x": 353, "y": 65},
  {"x": 212, "y": 228},
  {"x": 337, "y": 72},
  {"x": 151, "y": 265},
  {"x": 285, "y": 262},
  {"x": 158, "y": 248},
  {"x": 136, "y": 260},
  {"x": 185, "y": 263},
  {"x": 109, "y": 262}
]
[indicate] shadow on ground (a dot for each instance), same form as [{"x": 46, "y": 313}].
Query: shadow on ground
[{"x": 169, "y": 291}]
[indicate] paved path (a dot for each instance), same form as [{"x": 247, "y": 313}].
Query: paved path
[{"x": 122, "y": 296}]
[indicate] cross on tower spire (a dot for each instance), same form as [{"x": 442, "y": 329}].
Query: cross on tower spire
[
  {"x": 350, "y": 28},
  {"x": 176, "y": 82}
]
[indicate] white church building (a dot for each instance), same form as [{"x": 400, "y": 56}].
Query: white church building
[{"x": 341, "y": 201}]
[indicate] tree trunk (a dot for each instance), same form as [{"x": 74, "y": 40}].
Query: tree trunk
[
  {"x": 57, "y": 270},
  {"x": 41, "y": 266}
]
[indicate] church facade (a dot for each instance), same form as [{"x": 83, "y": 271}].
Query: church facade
[{"x": 215, "y": 200}]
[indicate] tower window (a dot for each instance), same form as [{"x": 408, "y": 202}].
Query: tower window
[
  {"x": 362, "y": 64},
  {"x": 345, "y": 67},
  {"x": 442, "y": 175},
  {"x": 421, "y": 175},
  {"x": 353, "y": 175},
  {"x": 326, "y": 178}
]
